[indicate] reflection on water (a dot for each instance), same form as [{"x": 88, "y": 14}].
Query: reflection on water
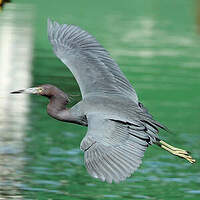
[
  {"x": 15, "y": 68},
  {"x": 148, "y": 40}
]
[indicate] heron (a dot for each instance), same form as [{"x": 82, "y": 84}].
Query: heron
[{"x": 120, "y": 128}]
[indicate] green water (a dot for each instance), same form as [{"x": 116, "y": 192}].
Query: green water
[{"x": 157, "y": 45}]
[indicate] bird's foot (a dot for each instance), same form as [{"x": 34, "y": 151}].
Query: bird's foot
[{"x": 177, "y": 152}]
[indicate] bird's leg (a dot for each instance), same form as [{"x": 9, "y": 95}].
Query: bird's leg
[{"x": 176, "y": 151}]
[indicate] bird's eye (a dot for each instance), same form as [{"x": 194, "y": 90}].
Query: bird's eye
[{"x": 40, "y": 90}]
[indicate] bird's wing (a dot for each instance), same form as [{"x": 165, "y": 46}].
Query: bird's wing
[
  {"x": 113, "y": 149},
  {"x": 95, "y": 71}
]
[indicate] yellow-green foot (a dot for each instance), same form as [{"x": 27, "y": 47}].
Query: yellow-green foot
[{"x": 176, "y": 151}]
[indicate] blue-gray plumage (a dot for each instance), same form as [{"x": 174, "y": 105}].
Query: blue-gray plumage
[{"x": 119, "y": 127}]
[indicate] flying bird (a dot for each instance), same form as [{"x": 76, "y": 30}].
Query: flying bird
[{"x": 120, "y": 128}]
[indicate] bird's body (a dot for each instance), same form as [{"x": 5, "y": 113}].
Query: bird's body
[{"x": 119, "y": 127}]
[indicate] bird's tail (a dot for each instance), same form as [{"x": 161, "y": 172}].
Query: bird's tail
[{"x": 176, "y": 151}]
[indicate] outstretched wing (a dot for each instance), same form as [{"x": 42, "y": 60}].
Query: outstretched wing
[
  {"x": 113, "y": 150},
  {"x": 95, "y": 71}
]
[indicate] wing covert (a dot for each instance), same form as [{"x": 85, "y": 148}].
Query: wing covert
[
  {"x": 94, "y": 69},
  {"x": 113, "y": 150}
]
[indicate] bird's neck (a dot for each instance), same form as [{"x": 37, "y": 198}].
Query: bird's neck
[
  {"x": 57, "y": 108},
  {"x": 57, "y": 103}
]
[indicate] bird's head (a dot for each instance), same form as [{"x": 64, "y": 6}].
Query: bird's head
[{"x": 46, "y": 90}]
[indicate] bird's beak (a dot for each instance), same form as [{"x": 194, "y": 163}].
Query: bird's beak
[{"x": 34, "y": 90}]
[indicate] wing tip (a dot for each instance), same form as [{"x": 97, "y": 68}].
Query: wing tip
[
  {"x": 49, "y": 28},
  {"x": 52, "y": 27},
  {"x": 49, "y": 21},
  {"x": 109, "y": 179},
  {"x": 113, "y": 169}
]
